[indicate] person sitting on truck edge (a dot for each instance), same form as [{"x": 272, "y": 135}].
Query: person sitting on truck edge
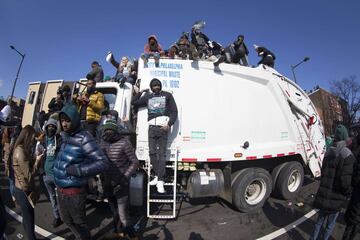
[
  {"x": 52, "y": 146},
  {"x": 152, "y": 49},
  {"x": 335, "y": 182},
  {"x": 267, "y": 57},
  {"x": 123, "y": 163},
  {"x": 237, "y": 52},
  {"x": 200, "y": 40},
  {"x": 124, "y": 72},
  {"x": 56, "y": 103},
  {"x": 91, "y": 104},
  {"x": 96, "y": 73},
  {"x": 79, "y": 157},
  {"x": 187, "y": 50},
  {"x": 162, "y": 114}
]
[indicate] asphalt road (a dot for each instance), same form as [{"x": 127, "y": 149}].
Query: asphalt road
[{"x": 201, "y": 219}]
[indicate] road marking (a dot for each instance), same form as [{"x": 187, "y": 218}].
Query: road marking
[
  {"x": 292, "y": 225},
  {"x": 38, "y": 229}
]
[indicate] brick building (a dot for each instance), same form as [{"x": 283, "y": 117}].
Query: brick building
[{"x": 332, "y": 109}]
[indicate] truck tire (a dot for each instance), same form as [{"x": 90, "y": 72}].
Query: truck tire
[
  {"x": 251, "y": 189},
  {"x": 289, "y": 181}
]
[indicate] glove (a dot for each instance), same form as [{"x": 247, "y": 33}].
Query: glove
[{"x": 73, "y": 171}]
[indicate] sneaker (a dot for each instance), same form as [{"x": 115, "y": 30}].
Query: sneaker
[
  {"x": 56, "y": 222},
  {"x": 154, "y": 181},
  {"x": 160, "y": 187}
]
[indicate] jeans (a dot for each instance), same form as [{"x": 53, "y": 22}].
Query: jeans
[
  {"x": 73, "y": 213},
  {"x": 50, "y": 187},
  {"x": 27, "y": 212},
  {"x": 350, "y": 232},
  {"x": 326, "y": 219},
  {"x": 119, "y": 205},
  {"x": 157, "y": 150},
  {"x": 145, "y": 57}
]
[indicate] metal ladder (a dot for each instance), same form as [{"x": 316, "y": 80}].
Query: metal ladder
[{"x": 171, "y": 164}]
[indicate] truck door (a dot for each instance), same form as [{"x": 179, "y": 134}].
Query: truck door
[{"x": 31, "y": 103}]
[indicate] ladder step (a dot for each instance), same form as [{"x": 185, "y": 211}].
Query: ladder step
[
  {"x": 162, "y": 216},
  {"x": 170, "y": 166},
  {"x": 161, "y": 200}
]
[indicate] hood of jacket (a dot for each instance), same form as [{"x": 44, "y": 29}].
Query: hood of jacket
[
  {"x": 152, "y": 36},
  {"x": 71, "y": 111}
]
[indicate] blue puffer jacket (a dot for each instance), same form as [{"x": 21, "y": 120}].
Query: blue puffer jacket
[{"x": 78, "y": 148}]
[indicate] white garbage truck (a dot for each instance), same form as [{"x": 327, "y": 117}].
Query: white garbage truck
[{"x": 242, "y": 133}]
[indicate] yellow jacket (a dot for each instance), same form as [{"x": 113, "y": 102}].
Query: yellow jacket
[{"x": 95, "y": 107}]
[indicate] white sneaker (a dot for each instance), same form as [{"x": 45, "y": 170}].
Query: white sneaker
[
  {"x": 154, "y": 181},
  {"x": 160, "y": 187}
]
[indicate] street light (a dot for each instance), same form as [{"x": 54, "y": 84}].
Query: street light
[
  {"x": 294, "y": 66},
  {"x": 17, "y": 74}
]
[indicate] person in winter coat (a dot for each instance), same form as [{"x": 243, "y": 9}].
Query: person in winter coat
[
  {"x": 91, "y": 104},
  {"x": 96, "y": 73},
  {"x": 56, "y": 103},
  {"x": 335, "y": 183},
  {"x": 237, "y": 52},
  {"x": 267, "y": 57},
  {"x": 79, "y": 157},
  {"x": 125, "y": 69},
  {"x": 52, "y": 146},
  {"x": 352, "y": 215},
  {"x": 25, "y": 167},
  {"x": 123, "y": 163},
  {"x": 200, "y": 40},
  {"x": 186, "y": 48},
  {"x": 162, "y": 114},
  {"x": 152, "y": 49}
]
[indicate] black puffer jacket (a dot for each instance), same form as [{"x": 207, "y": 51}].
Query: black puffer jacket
[
  {"x": 352, "y": 215},
  {"x": 122, "y": 158},
  {"x": 336, "y": 175}
]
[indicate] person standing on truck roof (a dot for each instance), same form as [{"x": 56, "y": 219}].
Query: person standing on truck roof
[
  {"x": 123, "y": 163},
  {"x": 267, "y": 57},
  {"x": 335, "y": 183},
  {"x": 237, "y": 52},
  {"x": 96, "y": 73},
  {"x": 91, "y": 104},
  {"x": 152, "y": 49},
  {"x": 79, "y": 157},
  {"x": 162, "y": 114}
]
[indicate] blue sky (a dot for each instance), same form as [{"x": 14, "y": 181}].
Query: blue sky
[{"x": 61, "y": 38}]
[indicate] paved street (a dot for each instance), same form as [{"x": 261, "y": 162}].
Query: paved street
[{"x": 201, "y": 219}]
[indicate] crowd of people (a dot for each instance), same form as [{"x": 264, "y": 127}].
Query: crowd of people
[{"x": 81, "y": 137}]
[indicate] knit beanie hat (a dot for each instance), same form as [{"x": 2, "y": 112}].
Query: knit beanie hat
[
  {"x": 341, "y": 133},
  {"x": 110, "y": 124}
]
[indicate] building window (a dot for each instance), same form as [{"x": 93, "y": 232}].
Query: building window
[{"x": 31, "y": 97}]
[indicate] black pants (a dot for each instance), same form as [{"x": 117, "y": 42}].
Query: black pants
[
  {"x": 2, "y": 218},
  {"x": 350, "y": 232},
  {"x": 73, "y": 213},
  {"x": 27, "y": 212},
  {"x": 157, "y": 150},
  {"x": 119, "y": 204}
]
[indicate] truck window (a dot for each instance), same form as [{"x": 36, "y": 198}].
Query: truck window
[{"x": 110, "y": 96}]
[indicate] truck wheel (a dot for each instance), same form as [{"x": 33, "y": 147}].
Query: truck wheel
[
  {"x": 289, "y": 181},
  {"x": 251, "y": 188}
]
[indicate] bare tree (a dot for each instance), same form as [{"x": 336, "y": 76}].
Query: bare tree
[{"x": 348, "y": 89}]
